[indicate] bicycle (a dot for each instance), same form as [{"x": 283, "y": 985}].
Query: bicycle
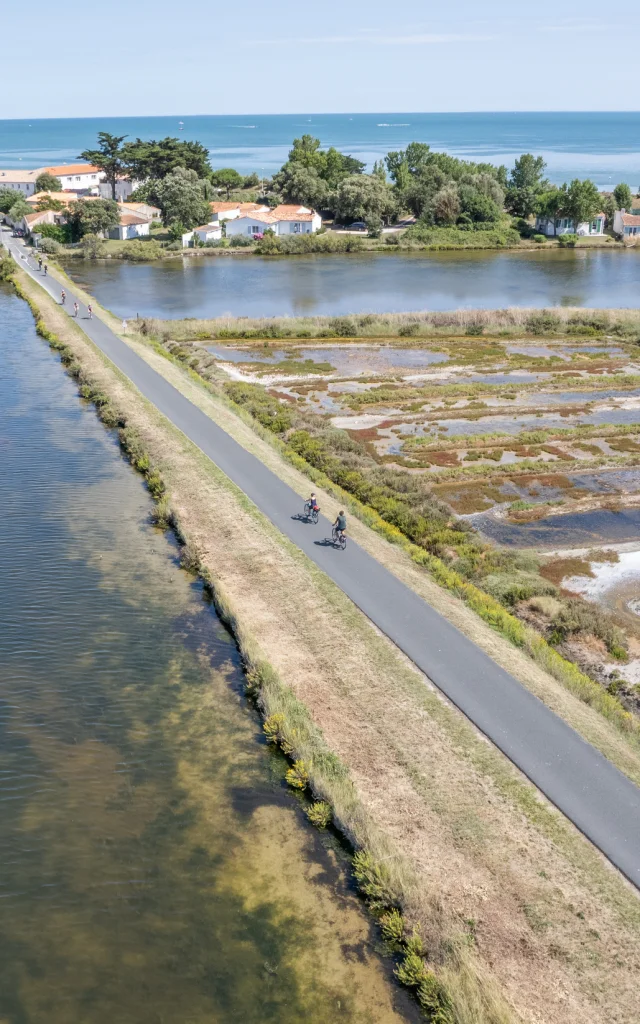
[
  {"x": 311, "y": 512},
  {"x": 339, "y": 538}
]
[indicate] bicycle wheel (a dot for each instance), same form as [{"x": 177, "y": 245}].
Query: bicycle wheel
[
  {"x": 334, "y": 537},
  {"x": 314, "y": 516},
  {"x": 343, "y": 541}
]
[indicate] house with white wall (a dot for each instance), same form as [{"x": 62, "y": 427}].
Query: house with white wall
[
  {"x": 627, "y": 225},
  {"x": 141, "y": 210},
  {"x": 75, "y": 177},
  {"x": 206, "y": 233},
  {"x": 231, "y": 211},
  {"x": 21, "y": 181},
  {"x": 287, "y": 219},
  {"x": 566, "y": 226},
  {"x": 131, "y": 226}
]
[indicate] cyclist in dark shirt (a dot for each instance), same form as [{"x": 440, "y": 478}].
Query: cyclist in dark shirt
[{"x": 340, "y": 524}]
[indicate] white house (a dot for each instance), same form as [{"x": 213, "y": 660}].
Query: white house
[
  {"x": 207, "y": 233},
  {"x": 566, "y": 226},
  {"x": 231, "y": 211},
  {"x": 282, "y": 220},
  {"x": 75, "y": 177},
  {"x": 21, "y": 181},
  {"x": 141, "y": 210},
  {"x": 130, "y": 226},
  {"x": 627, "y": 225},
  {"x": 30, "y": 221}
]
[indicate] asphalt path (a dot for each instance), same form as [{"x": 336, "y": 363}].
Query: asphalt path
[{"x": 602, "y": 802}]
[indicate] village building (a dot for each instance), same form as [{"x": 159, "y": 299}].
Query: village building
[
  {"x": 142, "y": 210},
  {"x": 74, "y": 177},
  {"x": 566, "y": 226},
  {"x": 627, "y": 225},
  {"x": 287, "y": 219},
  {"x": 131, "y": 226},
  {"x": 20, "y": 181}
]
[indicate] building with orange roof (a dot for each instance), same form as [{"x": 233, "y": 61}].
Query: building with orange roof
[
  {"x": 76, "y": 177},
  {"x": 287, "y": 219}
]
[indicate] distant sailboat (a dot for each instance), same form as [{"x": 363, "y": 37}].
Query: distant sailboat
[{"x": 180, "y": 126}]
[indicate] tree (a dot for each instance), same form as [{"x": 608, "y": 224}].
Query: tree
[
  {"x": 552, "y": 204},
  {"x": 181, "y": 199},
  {"x": 300, "y": 184},
  {"x": 379, "y": 170},
  {"x": 446, "y": 205},
  {"x": 228, "y": 179},
  {"x": 8, "y": 196},
  {"x": 92, "y": 247},
  {"x": 526, "y": 184},
  {"x": 609, "y": 208},
  {"x": 108, "y": 157},
  {"x": 46, "y": 182},
  {"x": 623, "y": 197},
  {"x": 92, "y": 216},
  {"x": 251, "y": 181},
  {"x": 19, "y": 209},
  {"x": 363, "y": 196},
  {"x": 330, "y": 165},
  {"x": 48, "y": 202},
  {"x": 479, "y": 207},
  {"x": 306, "y": 151},
  {"x": 527, "y": 173},
  {"x": 583, "y": 201},
  {"x": 151, "y": 159}
]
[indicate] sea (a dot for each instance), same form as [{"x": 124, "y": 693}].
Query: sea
[{"x": 602, "y": 146}]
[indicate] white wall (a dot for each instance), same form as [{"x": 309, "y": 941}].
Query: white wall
[
  {"x": 241, "y": 225},
  {"x": 75, "y": 182},
  {"x": 27, "y": 188}
]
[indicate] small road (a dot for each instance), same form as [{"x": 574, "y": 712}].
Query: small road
[{"x": 602, "y": 802}]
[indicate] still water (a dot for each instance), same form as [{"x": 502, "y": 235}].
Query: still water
[
  {"x": 359, "y": 283},
  {"x": 154, "y": 867}
]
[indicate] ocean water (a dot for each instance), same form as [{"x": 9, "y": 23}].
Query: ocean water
[{"x": 602, "y": 146}]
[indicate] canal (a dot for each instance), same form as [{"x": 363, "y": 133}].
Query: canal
[
  {"x": 155, "y": 868},
  {"x": 252, "y": 286}
]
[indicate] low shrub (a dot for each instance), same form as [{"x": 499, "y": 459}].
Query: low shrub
[
  {"x": 320, "y": 814},
  {"x": 7, "y": 266},
  {"x": 373, "y": 881},
  {"x": 139, "y": 251},
  {"x": 298, "y": 775},
  {"x": 543, "y": 322},
  {"x": 412, "y": 972},
  {"x": 568, "y": 241},
  {"x": 343, "y": 327},
  {"x": 435, "y": 1001},
  {"x": 241, "y": 242},
  {"x": 517, "y": 586},
  {"x": 49, "y": 246},
  {"x": 392, "y": 925},
  {"x": 539, "y": 238},
  {"x": 579, "y": 617}
]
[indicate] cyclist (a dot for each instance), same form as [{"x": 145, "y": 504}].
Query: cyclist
[
  {"x": 63, "y": 297},
  {"x": 340, "y": 525},
  {"x": 76, "y": 307},
  {"x": 90, "y": 311},
  {"x": 312, "y": 504}
]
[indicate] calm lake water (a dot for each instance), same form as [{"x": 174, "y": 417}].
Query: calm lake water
[
  {"x": 154, "y": 866},
  {"x": 372, "y": 283}
]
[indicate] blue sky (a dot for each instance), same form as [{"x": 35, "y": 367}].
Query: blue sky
[{"x": 203, "y": 57}]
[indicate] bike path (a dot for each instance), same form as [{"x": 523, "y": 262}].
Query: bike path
[{"x": 602, "y": 802}]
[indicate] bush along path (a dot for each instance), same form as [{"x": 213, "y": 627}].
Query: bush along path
[{"x": 588, "y": 789}]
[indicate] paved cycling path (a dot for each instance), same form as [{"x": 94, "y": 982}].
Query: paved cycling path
[{"x": 602, "y": 802}]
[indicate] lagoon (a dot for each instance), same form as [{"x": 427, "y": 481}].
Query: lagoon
[{"x": 253, "y": 286}]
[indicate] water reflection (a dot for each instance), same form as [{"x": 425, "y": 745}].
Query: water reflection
[
  {"x": 153, "y": 866},
  {"x": 375, "y": 282}
]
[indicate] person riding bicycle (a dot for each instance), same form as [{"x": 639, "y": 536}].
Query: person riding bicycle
[
  {"x": 63, "y": 297},
  {"x": 340, "y": 525},
  {"x": 312, "y": 503}
]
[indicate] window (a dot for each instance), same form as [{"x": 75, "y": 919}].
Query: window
[
  {"x": 296, "y": 229},
  {"x": 93, "y": 177},
  {"x": 77, "y": 177},
  {"x": 254, "y": 229},
  {"x": 69, "y": 179}
]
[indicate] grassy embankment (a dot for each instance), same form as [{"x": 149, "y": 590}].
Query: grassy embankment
[
  {"x": 507, "y": 895},
  {"x": 514, "y": 322}
]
